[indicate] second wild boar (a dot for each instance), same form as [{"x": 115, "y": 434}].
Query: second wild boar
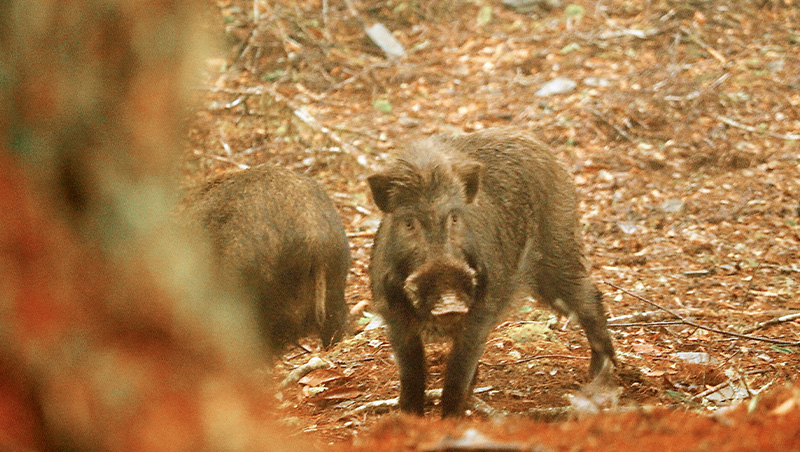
[{"x": 281, "y": 236}]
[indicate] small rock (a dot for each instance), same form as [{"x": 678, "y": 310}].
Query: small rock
[
  {"x": 695, "y": 357},
  {"x": 728, "y": 394},
  {"x": 597, "y": 82},
  {"x": 776, "y": 65},
  {"x": 384, "y": 39},
  {"x": 605, "y": 176},
  {"x": 407, "y": 122},
  {"x": 628, "y": 227},
  {"x": 673, "y": 205},
  {"x": 375, "y": 322},
  {"x": 559, "y": 85}
]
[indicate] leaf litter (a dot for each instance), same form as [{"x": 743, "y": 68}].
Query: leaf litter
[{"x": 681, "y": 134}]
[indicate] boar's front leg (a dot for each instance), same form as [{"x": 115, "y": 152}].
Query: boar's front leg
[
  {"x": 462, "y": 365},
  {"x": 410, "y": 356}
]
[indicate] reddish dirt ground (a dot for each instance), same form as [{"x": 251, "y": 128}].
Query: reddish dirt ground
[{"x": 682, "y": 136}]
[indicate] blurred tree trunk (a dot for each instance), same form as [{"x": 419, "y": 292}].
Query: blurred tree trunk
[{"x": 115, "y": 332}]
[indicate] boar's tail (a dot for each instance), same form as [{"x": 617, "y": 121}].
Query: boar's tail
[{"x": 319, "y": 295}]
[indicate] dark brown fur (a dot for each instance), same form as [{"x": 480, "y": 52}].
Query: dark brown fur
[
  {"x": 281, "y": 234},
  {"x": 499, "y": 202}
]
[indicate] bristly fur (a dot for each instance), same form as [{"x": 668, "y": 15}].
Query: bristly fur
[
  {"x": 423, "y": 173},
  {"x": 280, "y": 235},
  {"x": 498, "y": 202}
]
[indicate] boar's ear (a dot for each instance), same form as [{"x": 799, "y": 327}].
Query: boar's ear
[
  {"x": 380, "y": 185},
  {"x": 470, "y": 174}
]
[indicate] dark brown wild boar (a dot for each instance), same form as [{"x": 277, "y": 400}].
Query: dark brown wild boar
[
  {"x": 280, "y": 233},
  {"x": 470, "y": 223}
]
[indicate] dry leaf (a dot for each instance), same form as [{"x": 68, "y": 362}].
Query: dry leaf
[
  {"x": 322, "y": 376},
  {"x": 336, "y": 394},
  {"x": 645, "y": 349}
]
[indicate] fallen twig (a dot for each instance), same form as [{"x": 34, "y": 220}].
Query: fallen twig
[
  {"x": 377, "y": 405},
  {"x": 232, "y": 162},
  {"x": 299, "y": 112},
  {"x": 753, "y": 276},
  {"x": 623, "y": 32},
  {"x": 360, "y": 74},
  {"x": 531, "y": 358},
  {"x": 739, "y": 125},
  {"x": 702, "y": 327},
  {"x": 775, "y": 321},
  {"x": 301, "y": 371},
  {"x": 561, "y": 412},
  {"x": 605, "y": 121},
  {"x": 549, "y": 414},
  {"x": 312, "y": 122},
  {"x": 711, "y": 390},
  {"x": 712, "y": 51},
  {"x": 784, "y": 268},
  {"x": 637, "y": 317},
  {"x": 479, "y": 406},
  {"x": 744, "y": 383},
  {"x": 695, "y": 273},
  {"x": 630, "y": 325},
  {"x": 697, "y": 93}
]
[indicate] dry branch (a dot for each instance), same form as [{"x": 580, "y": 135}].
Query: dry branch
[
  {"x": 312, "y": 122},
  {"x": 712, "y": 51},
  {"x": 703, "y": 327},
  {"x": 230, "y": 161},
  {"x": 549, "y": 414},
  {"x": 635, "y": 324},
  {"x": 605, "y": 121},
  {"x": 531, "y": 358},
  {"x": 638, "y": 317},
  {"x": 711, "y": 390},
  {"x": 775, "y": 321},
  {"x": 377, "y": 405},
  {"x": 739, "y": 125},
  {"x": 299, "y": 112},
  {"x": 301, "y": 371}
]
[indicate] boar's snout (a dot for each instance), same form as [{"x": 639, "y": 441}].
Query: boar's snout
[
  {"x": 450, "y": 303},
  {"x": 441, "y": 288}
]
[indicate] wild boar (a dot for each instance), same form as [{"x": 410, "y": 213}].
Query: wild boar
[
  {"x": 470, "y": 223},
  {"x": 280, "y": 234}
]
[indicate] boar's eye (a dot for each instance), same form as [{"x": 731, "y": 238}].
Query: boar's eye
[
  {"x": 409, "y": 223},
  {"x": 454, "y": 218}
]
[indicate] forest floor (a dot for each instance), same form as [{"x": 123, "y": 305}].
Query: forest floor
[{"x": 680, "y": 123}]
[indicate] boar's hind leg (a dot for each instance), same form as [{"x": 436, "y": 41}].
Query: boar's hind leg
[
  {"x": 593, "y": 320},
  {"x": 584, "y": 301},
  {"x": 333, "y": 326},
  {"x": 410, "y": 356},
  {"x": 332, "y": 323},
  {"x": 461, "y": 367}
]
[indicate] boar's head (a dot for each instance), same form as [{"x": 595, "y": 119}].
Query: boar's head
[{"x": 426, "y": 196}]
